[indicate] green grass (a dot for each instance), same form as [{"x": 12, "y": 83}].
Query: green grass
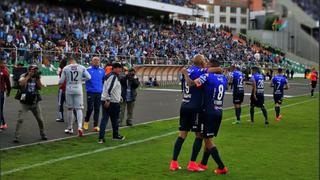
[
  {"x": 288, "y": 149},
  {"x": 44, "y": 91}
]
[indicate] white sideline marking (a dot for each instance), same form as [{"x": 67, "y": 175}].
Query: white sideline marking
[
  {"x": 86, "y": 153},
  {"x": 86, "y": 134},
  {"x": 121, "y": 145},
  {"x": 228, "y": 93}
]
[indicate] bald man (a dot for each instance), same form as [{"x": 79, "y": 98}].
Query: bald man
[
  {"x": 191, "y": 112},
  {"x": 94, "y": 90}
]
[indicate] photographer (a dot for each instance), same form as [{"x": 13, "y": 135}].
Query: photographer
[
  {"x": 29, "y": 98},
  {"x": 129, "y": 83}
]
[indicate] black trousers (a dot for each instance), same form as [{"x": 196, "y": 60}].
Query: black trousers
[
  {"x": 2, "y": 99},
  {"x": 93, "y": 104}
]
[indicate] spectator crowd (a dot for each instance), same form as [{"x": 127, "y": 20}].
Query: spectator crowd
[{"x": 52, "y": 28}]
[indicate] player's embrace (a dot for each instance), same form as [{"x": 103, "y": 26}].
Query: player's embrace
[
  {"x": 190, "y": 114},
  {"x": 279, "y": 83},
  {"x": 74, "y": 74},
  {"x": 214, "y": 87}
]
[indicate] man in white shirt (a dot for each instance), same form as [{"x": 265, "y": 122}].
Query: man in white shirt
[
  {"x": 74, "y": 74},
  {"x": 110, "y": 100}
]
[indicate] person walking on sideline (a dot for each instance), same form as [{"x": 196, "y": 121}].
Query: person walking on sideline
[
  {"x": 74, "y": 74},
  {"x": 94, "y": 90},
  {"x": 110, "y": 101}
]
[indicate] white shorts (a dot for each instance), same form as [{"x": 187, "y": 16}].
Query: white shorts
[{"x": 74, "y": 101}]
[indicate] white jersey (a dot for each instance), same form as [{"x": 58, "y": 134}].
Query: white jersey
[{"x": 74, "y": 75}]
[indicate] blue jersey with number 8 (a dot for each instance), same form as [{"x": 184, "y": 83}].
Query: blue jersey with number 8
[{"x": 215, "y": 86}]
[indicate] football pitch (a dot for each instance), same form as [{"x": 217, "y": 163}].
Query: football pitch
[{"x": 288, "y": 149}]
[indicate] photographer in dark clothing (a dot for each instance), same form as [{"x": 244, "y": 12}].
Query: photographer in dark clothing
[
  {"x": 129, "y": 83},
  {"x": 29, "y": 97}
]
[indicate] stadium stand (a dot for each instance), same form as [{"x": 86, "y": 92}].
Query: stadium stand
[
  {"x": 30, "y": 33},
  {"x": 311, "y": 7}
]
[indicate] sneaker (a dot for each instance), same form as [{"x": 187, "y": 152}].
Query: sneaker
[
  {"x": 101, "y": 141},
  {"x": 249, "y": 120},
  {"x": 68, "y": 131},
  {"x": 86, "y": 125},
  {"x": 16, "y": 140},
  {"x": 203, "y": 166},
  {"x": 44, "y": 137},
  {"x": 221, "y": 171},
  {"x": 80, "y": 133},
  {"x": 193, "y": 166},
  {"x": 119, "y": 138},
  {"x": 59, "y": 120},
  {"x": 96, "y": 129},
  {"x": 266, "y": 122},
  {"x": 174, "y": 165},
  {"x": 4, "y": 126},
  {"x": 236, "y": 122},
  {"x": 129, "y": 123}
]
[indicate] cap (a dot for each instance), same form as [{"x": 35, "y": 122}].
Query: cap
[
  {"x": 116, "y": 65},
  {"x": 33, "y": 66}
]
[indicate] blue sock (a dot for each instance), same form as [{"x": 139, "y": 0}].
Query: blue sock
[
  {"x": 196, "y": 148},
  {"x": 177, "y": 148},
  {"x": 277, "y": 109},
  {"x": 205, "y": 157},
  {"x": 215, "y": 155},
  {"x": 238, "y": 113}
]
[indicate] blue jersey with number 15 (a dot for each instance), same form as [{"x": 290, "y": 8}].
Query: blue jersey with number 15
[
  {"x": 192, "y": 96},
  {"x": 215, "y": 86}
]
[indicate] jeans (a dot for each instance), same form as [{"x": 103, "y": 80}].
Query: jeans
[
  {"x": 93, "y": 104},
  {"x": 113, "y": 112}
]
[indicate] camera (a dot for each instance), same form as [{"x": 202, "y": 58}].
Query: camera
[{"x": 36, "y": 72}]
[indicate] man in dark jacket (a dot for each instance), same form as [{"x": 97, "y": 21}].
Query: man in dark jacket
[
  {"x": 30, "y": 85},
  {"x": 129, "y": 83}
]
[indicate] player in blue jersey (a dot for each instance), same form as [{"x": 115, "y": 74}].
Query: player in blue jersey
[
  {"x": 279, "y": 83},
  {"x": 257, "y": 94},
  {"x": 191, "y": 113},
  {"x": 214, "y": 87},
  {"x": 236, "y": 82}
]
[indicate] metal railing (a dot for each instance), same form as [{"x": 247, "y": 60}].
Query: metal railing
[
  {"x": 46, "y": 58},
  {"x": 39, "y": 56}
]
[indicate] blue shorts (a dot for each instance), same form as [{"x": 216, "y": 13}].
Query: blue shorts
[
  {"x": 212, "y": 123},
  {"x": 190, "y": 119},
  {"x": 257, "y": 103},
  {"x": 278, "y": 98},
  {"x": 238, "y": 98}
]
